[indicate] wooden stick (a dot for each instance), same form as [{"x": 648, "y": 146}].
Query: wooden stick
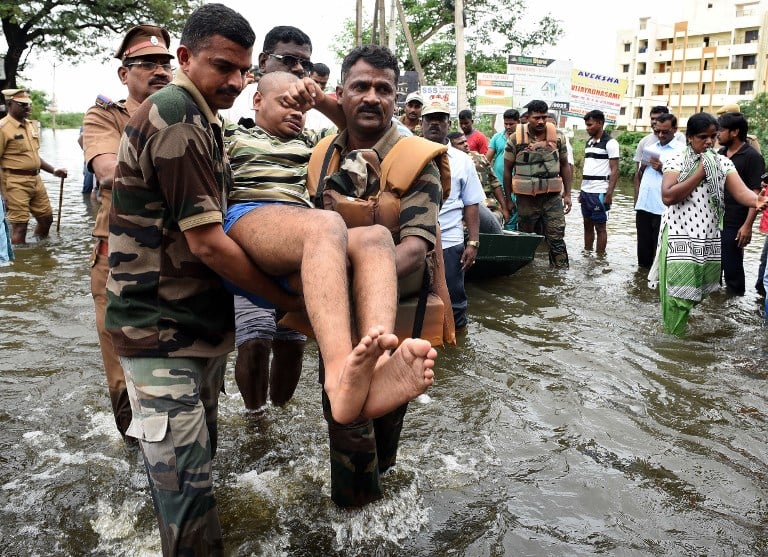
[{"x": 61, "y": 199}]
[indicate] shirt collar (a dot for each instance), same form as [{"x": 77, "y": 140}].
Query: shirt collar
[{"x": 180, "y": 79}]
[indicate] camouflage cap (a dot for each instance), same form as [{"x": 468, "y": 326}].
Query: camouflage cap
[
  {"x": 144, "y": 40},
  {"x": 436, "y": 106},
  {"x": 18, "y": 95},
  {"x": 728, "y": 108}
]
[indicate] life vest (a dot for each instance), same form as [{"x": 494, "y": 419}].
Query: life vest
[
  {"x": 424, "y": 308},
  {"x": 537, "y": 165}
]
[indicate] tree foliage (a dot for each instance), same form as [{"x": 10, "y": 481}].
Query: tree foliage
[
  {"x": 756, "y": 112},
  {"x": 76, "y": 29},
  {"x": 494, "y": 28}
]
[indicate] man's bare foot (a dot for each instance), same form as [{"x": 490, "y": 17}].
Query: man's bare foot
[
  {"x": 347, "y": 390},
  {"x": 401, "y": 377}
]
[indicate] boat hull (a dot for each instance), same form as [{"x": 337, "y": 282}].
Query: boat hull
[{"x": 503, "y": 254}]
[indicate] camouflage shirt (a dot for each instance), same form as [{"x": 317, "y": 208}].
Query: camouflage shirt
[
  {"x": 419, "y": 207},
  {"x": 268, "y": 168},
  {"x": 172, "y": 172},
  {"x": 485, "y": 172}
]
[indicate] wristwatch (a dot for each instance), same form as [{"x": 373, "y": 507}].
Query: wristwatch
[{"x": 473, "y": 243}]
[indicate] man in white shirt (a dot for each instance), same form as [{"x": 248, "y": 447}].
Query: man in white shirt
[
  {"x": 599, "y": 177},
  {"x": 463, "y": 203},
  {"x": 648, "y": 204}
]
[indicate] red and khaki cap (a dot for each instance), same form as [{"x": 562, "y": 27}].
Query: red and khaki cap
[
  {"x": 18, "y": 95},
  {"x": 144, "y": 40}
]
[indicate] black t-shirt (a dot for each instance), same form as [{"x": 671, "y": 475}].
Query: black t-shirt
[{"x": 750, "y": 166}]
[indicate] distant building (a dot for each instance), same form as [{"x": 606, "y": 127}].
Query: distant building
[{"x": 718, "y": 56}]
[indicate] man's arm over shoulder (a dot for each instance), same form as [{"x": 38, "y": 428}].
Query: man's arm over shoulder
[{"x": 418, "y": 220}]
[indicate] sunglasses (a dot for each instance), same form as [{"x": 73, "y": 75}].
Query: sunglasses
[{"x": 290, "y": 61}]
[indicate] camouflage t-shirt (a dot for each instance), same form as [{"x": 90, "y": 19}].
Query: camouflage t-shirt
[
  {"x": 268, "y": 168},
  {"x": 420, "y": 206},
  {"x": 171, "y": 177}
]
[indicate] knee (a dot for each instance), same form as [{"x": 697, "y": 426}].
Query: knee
[{"x": 330, "y": 223}]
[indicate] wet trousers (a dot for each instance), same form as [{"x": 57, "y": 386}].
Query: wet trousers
[
  {"x": 118, "y": 394},
  {"x": 548, "y": 210},
  {"x": 175, "y": 406}
]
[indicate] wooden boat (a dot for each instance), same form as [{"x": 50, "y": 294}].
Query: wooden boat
[{"x": 503, "y": 254}]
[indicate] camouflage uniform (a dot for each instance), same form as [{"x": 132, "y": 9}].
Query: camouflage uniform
[
  {"x": 362, "y": 450},
  {"x": 103, "y": 127},
  {"x": 417, "y": 128},
  {"x": 170, "y": 318},
  {"x": 487, "y": 178},
  {"x": 547, "y": 208}
]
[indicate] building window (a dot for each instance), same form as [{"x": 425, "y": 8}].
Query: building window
[
  {"x": 748, "y": 62},
  {"x": 746, "y": 87},
  {"x": 627, "y": 47},
  {"x": 751, "y": 36},
  {"x": 638, "y": 113},
  {"x": 625, "y": 68},
  {"x": 622, "y": 110}
]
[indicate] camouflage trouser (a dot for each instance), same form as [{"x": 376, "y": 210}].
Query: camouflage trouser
[
  {"x": 175, "y": 405},
  {"x": 548, "y": 210},
  {"x": 360, "y": 452}
]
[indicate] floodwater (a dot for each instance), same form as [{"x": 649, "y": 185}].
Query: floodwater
[{"x": 566, "y": 423}]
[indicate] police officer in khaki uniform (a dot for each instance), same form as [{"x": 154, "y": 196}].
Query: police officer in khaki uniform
[
  {"x": 23, "y": 189},
  {"x": 146, "y": 68}
]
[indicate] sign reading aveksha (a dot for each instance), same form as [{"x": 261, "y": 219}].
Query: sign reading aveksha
[{"x": 593, "y": 91}]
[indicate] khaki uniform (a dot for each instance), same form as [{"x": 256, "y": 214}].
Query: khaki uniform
[
  {"x": 23, "y": 188},
  {"x": 102, "y": 129}
]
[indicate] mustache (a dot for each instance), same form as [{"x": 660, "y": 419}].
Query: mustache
[
  {"x": 228, "y": 91},
  {"x": 157, "y": 80},
  {"x": 371, "y": 109}
]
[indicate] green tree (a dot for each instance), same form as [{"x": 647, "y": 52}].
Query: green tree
[
  {"x": 494, "y": 29},
  {"x": 74, "y": 29},
  {"x": 756, "y": 112}
]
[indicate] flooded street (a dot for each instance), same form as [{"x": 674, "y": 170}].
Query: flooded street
[{"x": 566, "y": 423}]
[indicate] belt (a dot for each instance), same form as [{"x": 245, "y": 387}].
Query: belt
[
  {"x": 102, "y": 247},
  {"x": 22, "y": 172}
]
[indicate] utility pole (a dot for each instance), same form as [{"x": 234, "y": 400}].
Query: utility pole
[
  {"x": 359, "y": 23},
  {"x": 392, "y": 26},
  {"x": 461, "y": 66},
  {"x": 411, "y": 45}
]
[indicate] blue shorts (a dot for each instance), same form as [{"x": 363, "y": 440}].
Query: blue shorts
[
  {"x": 234, "y": 212},
  {"x": 593, "y": 207}
]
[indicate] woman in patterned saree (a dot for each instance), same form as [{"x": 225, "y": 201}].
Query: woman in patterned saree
[{"x": 687, "y": 265}]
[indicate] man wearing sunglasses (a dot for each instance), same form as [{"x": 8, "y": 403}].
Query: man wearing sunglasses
[
  {"x": 286, "y": 49},
  {"x": 22, "y": 187},
  {"x": 145, "y": 68}
]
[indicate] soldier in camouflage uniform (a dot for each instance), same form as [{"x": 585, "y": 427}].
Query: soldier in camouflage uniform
[
  {"x": 169, "y": 315},
  {"x": 493, "y": 211},
  {"x": 270, "y": 215},
  {"x": 412, "y": 117},
  {"x": 145, "y": 69},
  {"x": 363, "y": 449}
]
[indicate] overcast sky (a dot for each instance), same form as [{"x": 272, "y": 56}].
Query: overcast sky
[{"x": 589, "y": 40}]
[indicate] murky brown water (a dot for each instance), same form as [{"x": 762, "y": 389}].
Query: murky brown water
[{"x": 565, "y": 424}]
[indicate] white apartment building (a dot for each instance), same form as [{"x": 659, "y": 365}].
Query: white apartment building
[{"x": 716, "y": 56}]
